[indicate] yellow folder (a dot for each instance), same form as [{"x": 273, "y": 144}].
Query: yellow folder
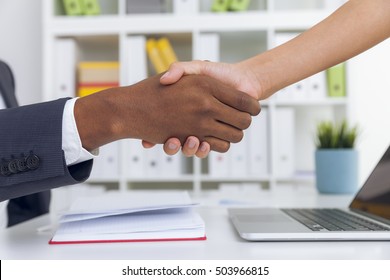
[
  {"x": 167, "y": 52},
  {"x": 87, "y": 90},
  {"x": 155, "y": 55}
]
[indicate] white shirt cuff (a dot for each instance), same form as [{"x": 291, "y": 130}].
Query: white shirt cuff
[
  {"x": 3, "y": 215},
  {"x": 71, "y": 143}
]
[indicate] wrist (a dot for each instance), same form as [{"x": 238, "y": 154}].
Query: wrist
[
  {"x": 267, "y": 73},
  {"x": 252, "y": 79},
  {"x": 97, "y": 119}
]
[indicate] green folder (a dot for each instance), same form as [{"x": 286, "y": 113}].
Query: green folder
[
  {"x": 90, "y": 7},
  {"x": 72, "y": 7},
  {"x": 239, "y": 5},
  {"x": 220, "y": 5},
  {"x": 336, "y": 80}
]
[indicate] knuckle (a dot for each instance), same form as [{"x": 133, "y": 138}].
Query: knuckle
[
  {"x": 207, "y": 105},
  {"x": 174, "y": 64},
  {"x": 243, "y": 101}
]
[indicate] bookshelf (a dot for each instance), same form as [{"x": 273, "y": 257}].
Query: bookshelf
[{"x": 240, "y": 35}]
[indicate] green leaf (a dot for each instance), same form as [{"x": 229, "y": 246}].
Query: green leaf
[{"x": 335, "y": 136}]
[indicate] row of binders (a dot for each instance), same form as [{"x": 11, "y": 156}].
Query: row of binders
[
  {"x": 136, "y": 162},
  {"x": 141, "y": 51},
  {"x": 250, "y": 158},
  {"x": 329, "y": 83}
]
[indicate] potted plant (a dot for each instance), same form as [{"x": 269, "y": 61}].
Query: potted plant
[{"x": 336, "y": 160}]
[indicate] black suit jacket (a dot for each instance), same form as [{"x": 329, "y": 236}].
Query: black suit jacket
[{"x": 32, "y": 160}]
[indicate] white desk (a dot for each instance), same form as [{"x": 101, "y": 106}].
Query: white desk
[{"x": 24, "y": 242}]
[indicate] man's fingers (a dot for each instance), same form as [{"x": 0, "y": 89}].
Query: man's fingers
[
  {"x": 232, "y": 117},
  {"x": 217, "y": 144},
  {"x": 225, "y": 132},
  {"x": 239, "y": 100},
  {"x": 147, "y": 145}
]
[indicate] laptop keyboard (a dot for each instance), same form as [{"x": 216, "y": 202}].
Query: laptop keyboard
[{"x": 332, "y": 220}]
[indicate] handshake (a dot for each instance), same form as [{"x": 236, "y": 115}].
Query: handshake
[{"x": 197, "y": 112}]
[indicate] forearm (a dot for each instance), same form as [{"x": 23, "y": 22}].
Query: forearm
[
  {"x": 197, "y": 105},
  {"x": 354, "y": 28},
  {"x": 98, "y": 118}
]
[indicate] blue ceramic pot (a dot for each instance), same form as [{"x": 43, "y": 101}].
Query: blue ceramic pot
[{"x": 336, "y": 170}]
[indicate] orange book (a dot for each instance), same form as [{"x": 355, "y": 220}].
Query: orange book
[{"x": 87, "y": 89}]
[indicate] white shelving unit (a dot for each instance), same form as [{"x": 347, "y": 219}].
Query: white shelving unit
[{"x": 241, "y": 35}]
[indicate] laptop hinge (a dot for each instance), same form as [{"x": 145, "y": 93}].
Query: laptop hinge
[{"x": 371, "y": 216}]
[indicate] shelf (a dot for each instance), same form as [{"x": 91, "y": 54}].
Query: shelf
[
  {"x": 235, "y": 36},
  {"x": 183, "y": 178},
  {"x": 156, "y": 23},
  {"x": 326, "y": 102},
  {"x": 206, "y": 178}
]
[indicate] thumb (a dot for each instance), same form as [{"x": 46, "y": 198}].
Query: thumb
[{"x": 179, "y": 69}]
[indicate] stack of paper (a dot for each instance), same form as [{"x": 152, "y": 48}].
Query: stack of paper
[
  {"x": 138, "y": 216},
  {"x": 94, "y": 76}
]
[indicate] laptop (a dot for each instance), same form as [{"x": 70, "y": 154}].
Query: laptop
[{"x": 366, "y": 218}]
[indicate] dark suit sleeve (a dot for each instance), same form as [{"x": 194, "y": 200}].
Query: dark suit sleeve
[{"x": 31, "y": 153}]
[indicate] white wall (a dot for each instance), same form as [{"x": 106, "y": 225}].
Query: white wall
[
  {"x": 20, "y": 45},
  {"x": 369, "y": 86},
  {"x": 369, "y": 76}
]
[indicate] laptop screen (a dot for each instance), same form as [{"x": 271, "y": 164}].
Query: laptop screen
[{"x": 374, "y": 196}]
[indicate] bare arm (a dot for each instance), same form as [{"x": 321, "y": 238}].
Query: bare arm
[{"x": 357, "y": 26}]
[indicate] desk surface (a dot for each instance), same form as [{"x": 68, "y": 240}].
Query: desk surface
[{"x": 25, "y": 242}]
